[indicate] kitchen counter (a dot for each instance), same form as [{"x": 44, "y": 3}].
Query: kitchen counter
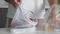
[{"x": 5, "y": 31}]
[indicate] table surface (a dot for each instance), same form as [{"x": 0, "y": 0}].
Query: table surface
[{"x": 5, "y": 31}]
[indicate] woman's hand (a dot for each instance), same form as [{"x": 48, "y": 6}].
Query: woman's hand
[{"x": 16, "y": 3}]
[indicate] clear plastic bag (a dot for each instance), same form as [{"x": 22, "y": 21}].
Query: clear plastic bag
[
  {"x": 22, "y": 22},
  {"x": 21, "y": 18}
]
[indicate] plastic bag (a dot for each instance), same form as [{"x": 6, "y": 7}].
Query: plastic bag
[{"x": 21, "y": 20}]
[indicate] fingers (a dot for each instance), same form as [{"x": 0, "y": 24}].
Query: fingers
[
  {"x": 14, "y": 4},
  {"x": 17, "y": 2}
]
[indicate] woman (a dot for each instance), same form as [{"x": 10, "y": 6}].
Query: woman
[
  {"x": 26, "y": 5},
  {"x": 39, "y": 17}
]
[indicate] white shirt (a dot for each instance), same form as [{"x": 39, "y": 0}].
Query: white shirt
[
  {"x": 36, "y": 6},
  {"x": 28, "y": 5}
]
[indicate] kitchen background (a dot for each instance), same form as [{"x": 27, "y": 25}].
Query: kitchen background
[{"x": 3, "y": 13}]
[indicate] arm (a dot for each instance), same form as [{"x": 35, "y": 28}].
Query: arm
[
  {"x": 54, "y": 10},
  {"x": 53, "y": 13}
]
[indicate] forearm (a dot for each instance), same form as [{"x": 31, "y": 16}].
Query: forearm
[
  {"x": 53, "y": 3},
  {"x": 54, "y": 10}
]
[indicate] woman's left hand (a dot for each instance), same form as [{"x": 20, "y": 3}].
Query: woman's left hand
[{"x": 17, "y": 3}]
